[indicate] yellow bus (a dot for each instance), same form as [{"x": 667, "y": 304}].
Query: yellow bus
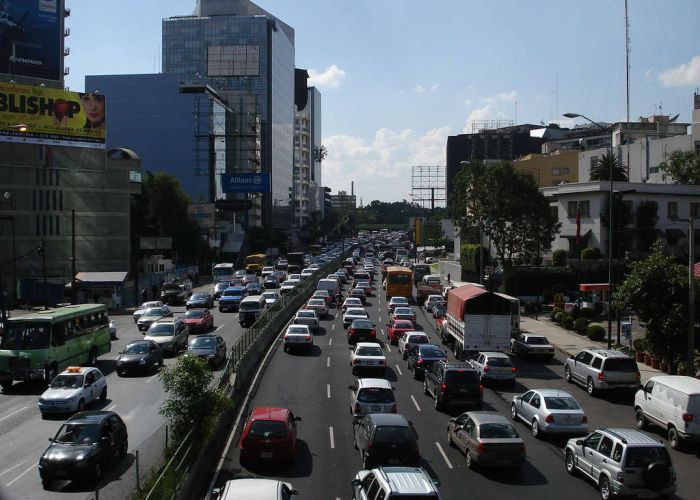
[
  {"x": 399, "y": 282},
  {"x": 255, "y": 262}
]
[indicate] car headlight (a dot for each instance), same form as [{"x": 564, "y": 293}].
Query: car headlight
[
  {"x": 210, "y": 356},
  {"x": 142, "y": 361},
  {"x": 68, "y": 400},
  {"x": 42, "y": 401}
]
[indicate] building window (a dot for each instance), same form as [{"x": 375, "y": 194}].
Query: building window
[
  {"x": 38, "y": 224},
  {"x": 627, "y": 207},
  {"x": 58, "y": 226},
  {"x": 41, "y": 200},
  {"x": 57, "y": 171},
  {"x": 585, "y": 208},
  {"x": 672, "y": 209},
  {"x": 695, "y": 210},
  {"x": 556, "y": 171},
  {"x": 571, "y": 209},
  {"x": 233, "y": 60},
  {"x": 50, "y": 225},
  {"x": 44, "y": 176},
  {"x": 38, "y": 177},
  {"x": 60, "y": 200},
  {"x": 43, "y": 224},
  {"x": 48, "y": 207},
  {"x": 53, "y": 195},
  {"x": 34, "y": 199}
]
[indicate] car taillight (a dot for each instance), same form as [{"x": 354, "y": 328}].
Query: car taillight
[
  {"x": 549, "y": 419},
  {"x": 687, "y": 417},
  {"x": 481, "y": 388},
  {"x": 443, "y": 387},
  {"x": 286, "y": 337},
  {"x": 357, "y": 408},
  {"x": 620, "y": 476},
  {"x": 486, "y": 368},
  {"x": 351, "y": 331},
  {"x": 420, "y": 362},
  {"x": 355, "y": 361},
  {"x": 584, "y": 420},
  {"x": 393, "y": 408},
  {"x": 481, "y": 448},
  {"x": 601, "y": 376},
  {"x": 373, "y": 332},
  {"x": 639, "y": 376},
  {"x": 308, "y": 337}
]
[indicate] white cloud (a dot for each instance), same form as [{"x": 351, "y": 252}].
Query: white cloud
[
  {"x": 488, "y": 112},
  {"x": 648, "y": 74},
  {"x": 381, "y": 168},
  {"x": 501, "y": 97},
  {"x": 331, "y": 77},
  {"x": 420, "y": 89},
  {"x": 467, "y": 102},
  {"x": 685, "y": 74}
]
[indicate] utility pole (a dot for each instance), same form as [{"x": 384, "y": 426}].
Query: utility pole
[
  {"x": 42, "y": 251},
  {"x": 73, "y": 291},
  {"x": 690, "y": 357}
]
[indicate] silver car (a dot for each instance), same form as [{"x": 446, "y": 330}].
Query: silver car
[
  {"x": 602, "y": 369},
  {"x": 494, "y": 367},
  {"x": 550, "y": 411},
  {"x": 307, "y": 317},
  {"x": 172, "y": 335},
  {"x": 371, "y": 395},
  {"x": 142, "y": 308},
  {"x": 409, "y": 339}
]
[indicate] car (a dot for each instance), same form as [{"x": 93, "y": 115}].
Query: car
[
  {"x": 495, "y": 367},
  {"x": 249, "y": 278},
  {"x": 352, "y": 302},
  {"x": 287, "y": 286},
  {"x": 83, "y": 446},
  {"x": 112, "y": 329},
  {"x": 254, "y": 288},
  {"x": 199, "y": 320},
  {"x": 307, "y": 273},
  {"x": 367, "y": 357},
  {"x": 627, "y": 462},
  {"x": 318, "y": 305},
  {"x": 72, "y": 390},
  {"x": 385, "y": 439},
  {"x": 602, "y": 370},
  {"x": 139, "y": 355},
  {"x": 314, "y": 267},
  {"x": 146, "y": 305},
  {"x": 307, "y": 317},
  {"x": 440, "y": 309},
  {"x": 240, "y": 273},
  {"x": 282, "y": 264},
  {"x": 280, "y": 275},
  {"x": 231, "y": 298},
  {"x": 322, "y": 294},
  {"x": 453, "y": 383},
  {"x": 267, "y": 271},
  {"x": 533, "y": 346},
  {"x": 365, "y": 286},
  {"x": 359, "y": 293},
  {"x": 270, "y": 434},
  {"x": 298, "y": 337},
  {"x": 397, "y": 327},
  {"x": 210, "y": 348},
  {"x": 422, "y": 356},
  {"x": 361, "y": 329},
  {"x": 270, "y": 298},
  {"x": 371, "y": 395},
  {"x": 342, "y": 275},
  {"x": 296, "y": 277},
  {"x": 255, "y": 488},
  {"x": 171, "y": 334},
  {"x": 151, "y": 315},
  {"x": 353, "y": 313},
  {"x": 431, "y": 260},
  {"x": 395, "y": 483},
  {"x": 395, "y": 302},
  {"x": 432, "y": 300},
  {"x": 487, "y": 439},
  {"x": 404, "y": 313},
  {"x": 409, "y": 339},
  {"x": 549, "y": 411},
  {"x": 199, "y": 300},
  {"x": 271, "y": 281}
]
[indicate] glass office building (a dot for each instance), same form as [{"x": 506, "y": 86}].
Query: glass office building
[{"x": 246, "y": 55}]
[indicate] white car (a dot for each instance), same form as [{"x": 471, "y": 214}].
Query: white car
[
  {"x": 367, "y": 356},
  {"x": 314, "y": 267},
  {"x": 307, "y": 273},
  {"x": 295, "y": 278},
  {"x": 353, "y": 313},
  {"x": 397, "y": 302},
  {"x": 431, "y": 260},
  {"x": 72, "y": 390},
  {"x": 352, "y": 302},
  {"x": 298, "y": 336},
  {"x": 371, "y": 395},
  {"x": 270, "y": 298},
  {"x": 307, "y": 317},
  {"x": 142, "y": 308},
  {"x": 409, "y": 339},
  {"x": 112, "y": 329},
  {"x": 318, "y": 305},
  {"x": 267, "y": 270},
  {"x": 288, "y": 286},
  {"x": 254, "y": 488},
  {"x": 432, "y": 300}
]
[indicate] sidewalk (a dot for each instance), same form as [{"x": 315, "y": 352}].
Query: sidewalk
[{"x": 571, "y": 343}]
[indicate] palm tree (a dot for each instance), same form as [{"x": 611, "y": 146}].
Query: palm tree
[{"x": 601, "y": 170}]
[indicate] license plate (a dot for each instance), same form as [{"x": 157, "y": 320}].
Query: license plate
[
  {"x": 393, "y": 461},
  {"x": 462, "y": 390},
  {"x": 266, "y": 454},
  {"x": 376, "y": 408},
  {"x": 567, "y": 420}
]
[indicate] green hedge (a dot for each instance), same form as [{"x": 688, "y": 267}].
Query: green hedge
[
  {"x": 595, "y": 332},
  {"x": 587, "y": 312},
  {"x": 469, "y": 257},
  {"x": 555, "y": 311},
  {"x": 559, "y": 257},
  {"x": 519, "y": 281},
  {"x": 581, "y": 325},
  {"x": 567, "y": 322},
  {"x": 590, "y": 253},
  {"x": 559, "y": 317}
]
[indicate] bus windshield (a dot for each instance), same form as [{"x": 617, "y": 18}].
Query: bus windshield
[{"x": 26, "y": 335}]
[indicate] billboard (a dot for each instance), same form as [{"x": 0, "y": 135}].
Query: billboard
[
  {"x": 31, "y": 38},
  {"x": 245, "y": 183},
  {"x": 202, "y": 214},
  {"x": 51, "y": 116}
]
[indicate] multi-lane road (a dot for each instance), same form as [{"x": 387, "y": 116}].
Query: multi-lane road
[{"x": 315, "y": 387}]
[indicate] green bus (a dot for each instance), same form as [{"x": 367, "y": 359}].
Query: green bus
[{"x": 40, "y": 345}]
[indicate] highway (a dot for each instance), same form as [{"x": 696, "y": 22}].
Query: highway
[
  {"x": 24, "y": 435},
  {"x": 314, "y": 387}
]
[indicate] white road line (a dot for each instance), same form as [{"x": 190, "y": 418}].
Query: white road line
[
  {"x": 328, "y": 362},
  {"x": 447, "y": 460},
  {"x": 13, "y": 467},
  {"x": 380, "y": 319},
  {"x": 219, "y": 328},
  {"x": 398, "y": 369},
  {"x": 415, "y": 402},
  {"x": 330, "y": 341},
  {"x": 332, "y": 439},
  {"x": 13, "y": 413},
  {"x": 111, "y": 408},
  {"x": 328, "y": 390},
  {"x": 379, "y": 309},
  {"x": 333, "y": 327},
  {"x": 22, "y": 474},
  {"x": 382, "y": 330},
  {"x": 388, "y": 347}
]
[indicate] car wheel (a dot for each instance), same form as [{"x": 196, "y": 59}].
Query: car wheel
[
  {"x": 425, "y": 388},
  {"x": 570, "y": 463},
  {"x": 50, "y": 374},
  {"x": 590, "y": 387},
  {"x": 640, "y": 419},
  {"x": 6, "y": 385},
  {"x": 103, "y": 395},
  {"x": 535, "y": 428},
  {"x": 449, "y": 439},
  {"x": 513, "y": 412},
  {"x": 92, "y": 357},
  {"x": 81, "y": 405},
  {"x": 604, "y": 488},
  {"x": 415, "y": 374},
  {"x": 471, "y": 464},
  {"x": 46, "y": 484},
  {"x": 674, "y": 439},
  {"x": 567, "y": 374},
  {"x": 124, "y": 448},
  {"x": 97, "y": 473},
  {"x": 120, "y": 373}
]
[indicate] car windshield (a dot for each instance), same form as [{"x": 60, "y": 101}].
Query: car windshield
[
  {"x": 497, "y": 431},
  {"x": 356, "y": 312},
  {"x": 250, "y": 306},
  {"x": 154, "y": 311},
  {"x": 369, "y": 351},
  {"x": 358, "y": 291},
  {"x": 223, "y": 285},
  {"x": 78, "y": 434},
  {"x": 136, "y": 348},
  {"x": 363, "y": 284},
  {"x": 620, "y": 365},
  {"x": 288, "y": 283},
  {"x": 537, "y": 340},
  {"x": 202, "y": 342},
  {"x": 399, "y": 301},
  {"x": 146, "y": 305},
  {"x": 194, "y": 314},
  {"x": 26, "y": 335},
  {"x": 375, "y": 395},
  {"x": 361, "y": 324},
  {"x": 387, "y": 435},
  {"x": 641, "y": 456},
  {"x": 271, "y": 278},
  {"x": 268, "y": 428},
  {"x": 403, "y": 324},
  {"x": 403, "y": 311},
  {"x": 306, "y": 314},
  {"x": 157, "y": 330},
  {"x": 67, "y": 382},
  {"x": 233, "y": 293},
  {"x": 418, "y": 339},
  {"x": 561, "y": 403},
  {"x": 352, "y": 301},
  {"x": 269, "y": 295},
  {"x": 297, "y": 330},
  {"x": 199, "y": 296},
  {"x": 504, "y": 362},
  {"x": 317, "y": 303},
  {"x": 431, "y": 351},
  {"x": 461, "y": 376}
]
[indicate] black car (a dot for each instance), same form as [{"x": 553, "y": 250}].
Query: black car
[
  {"x": 210, "y": 348},
  {"x": 453, "y": 383},
  {"x": 361, "y": 329},
  {"x": 139, "y": 355},
  {"x": 271, "y": 281},
  {"x": 83, "y": 446},
  {"x": 422, "y": 356},
  {"x": 385, "y": 439},
  {"x": 254, "y": 289},
  {"x": 200, "y": 301}
]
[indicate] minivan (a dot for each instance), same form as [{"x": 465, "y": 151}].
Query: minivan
[
  {"x": 671, "y": 402},
  {"x": 250, "y": 310},
  {"x": 332, "y": 285}
]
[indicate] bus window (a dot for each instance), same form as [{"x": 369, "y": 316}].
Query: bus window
[
  {"x": 58, "y": 334},
  {"x": 19, "y": 335}
]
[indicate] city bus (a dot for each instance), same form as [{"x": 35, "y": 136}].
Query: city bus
[
  {"x": 222, "y": 272},
  {"x": 40, "y": 345},
  {"x": 255, "y": 262},
  {"x": 399, "y": 282}
]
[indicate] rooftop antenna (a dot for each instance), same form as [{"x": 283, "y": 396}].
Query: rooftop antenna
[{"x": 516, "y": 111}]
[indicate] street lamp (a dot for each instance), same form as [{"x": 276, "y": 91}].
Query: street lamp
[{"x": 610, "y": 223}]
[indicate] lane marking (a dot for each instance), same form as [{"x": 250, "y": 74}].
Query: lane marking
[
  {"x": 379, "y": 309},
  {"x": 111, "y": 408},
  {"x": 219, "y": 328},
  {"x": 442, "y": 452},
  {"x": 13, "y": 467},
  {"x": 333, "y": 327},
  {"x": 13, "y": 413},
  {"x": 380, "y": 319},
  {"x": 22, "y": 474},
  {"x": 382, "y": 330},
  {"x": 415, "y": 403},
  {"x": 330, "y": 341},
  {"x": 398, "y": 369},
  {"x": 328, "y": 390},
  {"x": 328, "y": 362},
  {"x": 332, "y": 438},
  {"x": 388, "y": 347}
]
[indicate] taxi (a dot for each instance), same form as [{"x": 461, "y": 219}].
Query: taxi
[{"x": 72, "y": 390}]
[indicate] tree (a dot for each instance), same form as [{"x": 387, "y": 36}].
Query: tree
[
  {"x": 601, "y": 170},
  {"x": 683, "y": 166},
  {"x": 190, "y": 398}
]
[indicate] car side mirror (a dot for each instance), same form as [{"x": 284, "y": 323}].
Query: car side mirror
[
  {"x": 350, "y": 387},
  {"x": 351, "y": 348},
  {"x": 355, "y": 483},
  {"x": 104, "y": 440},
  {"x": 50, "y": 440},
  {"x": 579, "y": 442},
  {"x": 297, "y": 419}
]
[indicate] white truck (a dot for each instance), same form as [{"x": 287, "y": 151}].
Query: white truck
[{"x": 476, "y": 320}]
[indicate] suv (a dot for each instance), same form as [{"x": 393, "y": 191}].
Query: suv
[
  {"x": 623, "y": 462},
  {"x": 171, "y": 334},
  {"x": 453, "y": 383},
  {"x": 602, "y": 369},
  {"x": 394, "y": 482}
]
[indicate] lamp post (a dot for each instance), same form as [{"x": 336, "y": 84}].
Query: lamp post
[
  {"x": 11, "y": 218},
  {"x": 610, "y": 223}
]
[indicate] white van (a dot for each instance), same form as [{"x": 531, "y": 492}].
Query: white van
[
  {"x": 250, "y": 309},
  {"x": 330, "y": 284},
  {"x": 671, "y": 402}
]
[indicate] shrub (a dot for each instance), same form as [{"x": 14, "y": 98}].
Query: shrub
[
  {"x": 559, "y": 257},
  {"x": 587, "y": 312},
  {"x": 575, "y": 311},
  {"x": 567, "y": 322},
  {"x": 581, "y": 325},
  {"x": 559, "y": 316},
  {"x": 639, "y": 345},
  {"x": 595, "y": 333},
  {"x": 553, "y": 314},
  {"x": 590, "y": 254},
  {"x": 469, "y": 257}
]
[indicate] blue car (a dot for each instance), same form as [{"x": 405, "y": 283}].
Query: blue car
[{"x": 231, "y": 298}]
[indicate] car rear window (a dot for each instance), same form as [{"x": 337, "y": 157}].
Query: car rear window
[
  {"x": 297, "y": 330},
  {"x": 499, "y": 362},
  {"x": 461, "y": 377},
  {"x": 194, "y": 314},
  {"x": 620, "y": 365},
  {"x": 641, "y": 456},
  {"x": 361, "y": 324},
  {"x": 497, "y": 431},
  {"x": 385, "y": 435},
  {"x": 249, "y": 306},
  {"x": 370, "y": 351},
  {"x": 561, "y": 403},
  {"x": 418, "y": 339},
  {"x": 375, "y": 395},
  {"x": 268, "y": 428},
  {"x": 431, "y": 351},
  {"x": 537, "y": 340}
]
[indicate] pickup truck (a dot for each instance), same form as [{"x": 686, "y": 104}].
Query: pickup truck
[
  {"x": 429, "y": 285},
  {"x": 173, "y": 294}
]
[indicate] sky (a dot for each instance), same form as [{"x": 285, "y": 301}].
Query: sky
[{"x": 397, "y": 77}]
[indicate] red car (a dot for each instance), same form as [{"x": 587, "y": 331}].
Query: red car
[
  {"x": 270, "y": 434},
  {"x": 398, "y": 327},
  {"x": 199, "y": 320}
]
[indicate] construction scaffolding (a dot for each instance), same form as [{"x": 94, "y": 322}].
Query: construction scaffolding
[
  {"x": 481, "y": 125},
  {"x": 428, "y": 189}
]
